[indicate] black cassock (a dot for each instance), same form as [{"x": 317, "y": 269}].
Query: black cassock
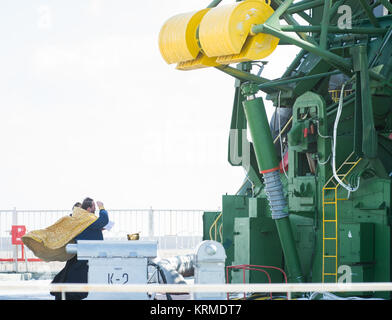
[{"x": 76, "y": 271}]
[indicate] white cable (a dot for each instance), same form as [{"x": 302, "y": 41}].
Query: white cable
[
  {"x": 331, "y": 296},
  {"x": 325, "y": 162},
  {"x": 349, "y": 188},
  {"x": 252, "y": 184},
  {"x": 324, "y": 137},
  {"x": 318, "y": 131},
  {"x": 280, "y": 138}
]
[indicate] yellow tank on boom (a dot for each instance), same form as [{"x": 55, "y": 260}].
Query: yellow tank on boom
[
  {"x": 178, "y": 42},
  {"x": 220, "y": 35}
]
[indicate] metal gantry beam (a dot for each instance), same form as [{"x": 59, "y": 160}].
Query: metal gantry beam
[
  {"x": 246, "y": 76},
  {"x": 214, "y": 3},
  {"x": 284, "y": 10},
  {"x": 332, "y": 29},
  {"x": 273, "y": 27},
  {"x": 324, "y": 24},
  {"x": 369, "y": 11},
  {"x": 387, "y": 5},
  {"x": 335, "y": 60}
]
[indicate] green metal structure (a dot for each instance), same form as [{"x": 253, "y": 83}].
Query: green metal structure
[{"x": 316, "y": 201}]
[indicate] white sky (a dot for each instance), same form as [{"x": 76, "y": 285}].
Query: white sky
[{"x": 88, "y": 107}]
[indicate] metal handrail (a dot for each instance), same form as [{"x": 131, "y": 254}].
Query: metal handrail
[{"x": 32, "y": 286}]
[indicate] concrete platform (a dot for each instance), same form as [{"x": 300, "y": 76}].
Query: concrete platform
[
  {"x": 20, "y": 294},
  {"x": 43, "y": 294},
  {"x": 15, "y": 276}
]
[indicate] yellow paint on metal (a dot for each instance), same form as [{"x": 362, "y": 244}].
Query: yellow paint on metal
[
  {"x": 256, "y": 47},
  {"x": 201, "y": 61},
  {"x": 327, "y": 257},
  {"x": 335, "y": 94},
  {"x": 224, "y": 30},
  {"x": 220, "y": 35},
  {"x": 177, "y": 38}
]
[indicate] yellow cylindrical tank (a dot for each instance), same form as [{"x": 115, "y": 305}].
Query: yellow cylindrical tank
[
  {"x": 220, "y": 35},
  {"x": 224, "y": 30},
  {"x": 177, "y": 38}
]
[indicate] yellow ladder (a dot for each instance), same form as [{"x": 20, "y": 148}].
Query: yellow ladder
[{"x": 330, "y": 219}]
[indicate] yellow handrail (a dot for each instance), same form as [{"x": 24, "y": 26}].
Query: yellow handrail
[
  {"x": 335, "y": 94},
  {"x": 214, "y": 225}
]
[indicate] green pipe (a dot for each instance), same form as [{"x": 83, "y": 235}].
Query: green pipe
[
  {"x": 214, "y": 3},
  {"x": 242, "y": 75},
  {"x": 261, "y": 134},
  {"x": 268, "y": 165},
  {"x": 290, "y": 253},
  {"x": 283, "y": 6},
  {"x": 280, "y": 11},
  {"x": 369, "y": 12},
  {"x": 337, "y": 61},
  {"x": 369, "y": 134},
  {"x": 294, "y": 10},
  {"x": 295, "y": 63},
  {"x": 332, "y": 29},
  {"x": 298, "y": 7},
  {"x": 246, "y": 76},
  {"x": 265, "y": 84},
  {"x": 335, "y": 8},
  {"x": 324, "y": 25},
  {"x": 331, "y": 58},
  {"x": 273, "y": 27},
  {"x": 288, "y": 81}
]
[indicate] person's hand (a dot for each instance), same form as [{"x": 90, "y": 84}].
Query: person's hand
[{"x": 100, "y": 205}]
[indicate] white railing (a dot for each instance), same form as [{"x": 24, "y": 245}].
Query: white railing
[
  {"x": 8, "y": 287},
  {"x": 174, "y": 229}
]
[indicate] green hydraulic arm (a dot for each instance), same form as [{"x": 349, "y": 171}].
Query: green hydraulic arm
[{"x": 269, "y": 166}]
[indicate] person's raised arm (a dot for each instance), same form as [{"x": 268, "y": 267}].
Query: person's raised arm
[{"x": 103, "y": 218}]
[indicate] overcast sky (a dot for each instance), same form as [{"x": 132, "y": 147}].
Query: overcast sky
[{"x": 88, "y": 107}]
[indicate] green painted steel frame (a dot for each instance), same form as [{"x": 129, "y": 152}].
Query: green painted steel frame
[
  {"x": 286, "y": 10},
  {"x": 355, "y": 66}
]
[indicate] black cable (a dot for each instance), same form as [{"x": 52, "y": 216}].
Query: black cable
[{"x": 160, "y": 271}]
